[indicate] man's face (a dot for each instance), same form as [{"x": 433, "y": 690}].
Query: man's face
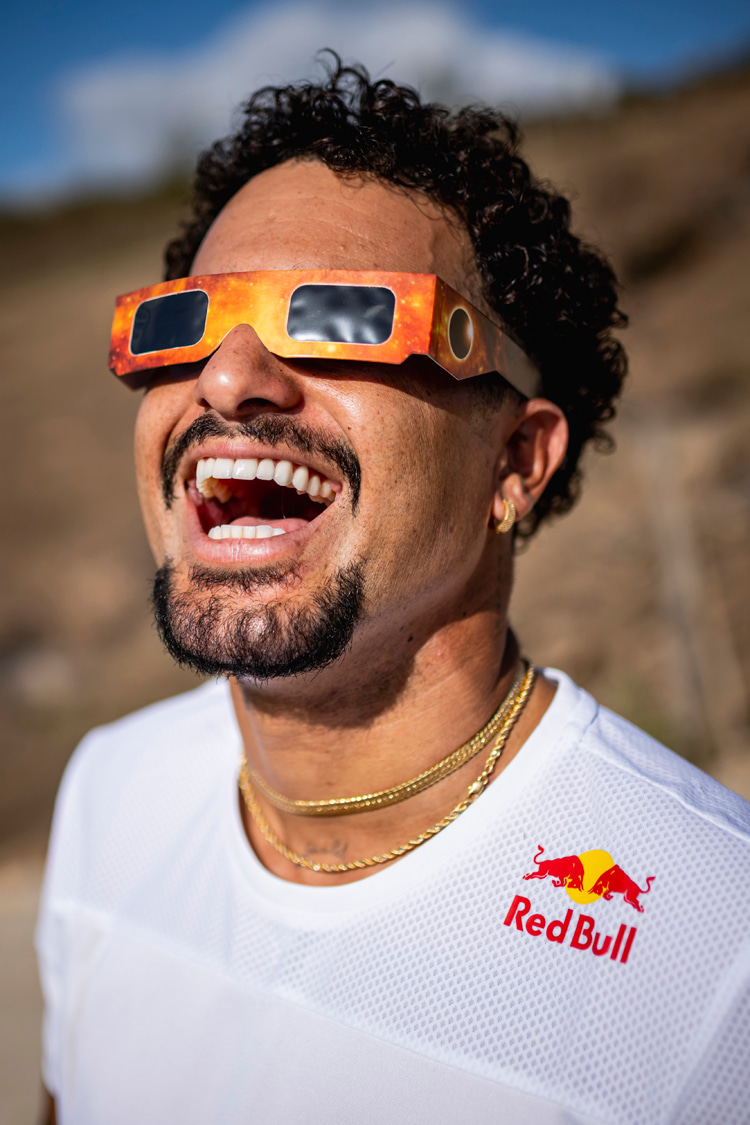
[{"x": 410, "y": 456}]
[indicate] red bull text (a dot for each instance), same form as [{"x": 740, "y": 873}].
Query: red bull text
[{"x": 583, "y": 935}]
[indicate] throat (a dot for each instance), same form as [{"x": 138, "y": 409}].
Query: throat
[{"x": 306, "y": 760}]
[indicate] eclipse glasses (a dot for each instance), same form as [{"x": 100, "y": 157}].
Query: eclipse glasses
[{"x": 314, "y": 314}]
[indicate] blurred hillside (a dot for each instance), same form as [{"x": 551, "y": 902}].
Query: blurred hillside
[{"x": 641, "y": 594}]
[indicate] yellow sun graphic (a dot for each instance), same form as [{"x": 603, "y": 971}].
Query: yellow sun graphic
[{"x": 595, "y": 863}]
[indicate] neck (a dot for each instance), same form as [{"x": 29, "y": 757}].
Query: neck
[{"x": 367, "y": 724}]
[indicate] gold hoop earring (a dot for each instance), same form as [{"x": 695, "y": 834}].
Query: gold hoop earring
[{"x": 509, "y": 518}]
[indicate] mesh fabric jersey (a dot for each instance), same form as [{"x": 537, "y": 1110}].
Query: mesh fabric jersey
[{"x": 184, "y": 982}]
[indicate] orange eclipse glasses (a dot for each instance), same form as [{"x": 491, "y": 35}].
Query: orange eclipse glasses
[{"x": 314, "y": 314}]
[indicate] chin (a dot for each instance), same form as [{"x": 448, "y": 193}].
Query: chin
[{"x": 214, "y": 628}]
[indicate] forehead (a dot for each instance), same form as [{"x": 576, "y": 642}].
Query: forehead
[{"x": 301, "y": 215}]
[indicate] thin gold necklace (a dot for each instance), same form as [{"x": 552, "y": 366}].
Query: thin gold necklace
[
  {"x": 475, "y": 789},
  {"x": 344, "y": 806}
]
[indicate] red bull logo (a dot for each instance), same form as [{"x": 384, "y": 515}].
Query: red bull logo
[
  {"x": 564, "y": 872},
  {"x": 595, "y": 870},
  {"x": 586, "y": 877}
]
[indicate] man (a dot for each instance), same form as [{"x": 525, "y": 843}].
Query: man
[{"x": 380, "y": 870}]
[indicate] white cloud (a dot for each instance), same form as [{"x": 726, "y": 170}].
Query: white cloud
[{"x": 130, "y": 118}]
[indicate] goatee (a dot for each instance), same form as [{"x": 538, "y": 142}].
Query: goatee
[{"x": 216, "y": 635}]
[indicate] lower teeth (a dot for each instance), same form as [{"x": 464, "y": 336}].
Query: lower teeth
[{"x": 235, "y": 531}]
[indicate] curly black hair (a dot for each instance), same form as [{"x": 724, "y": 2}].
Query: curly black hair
[{"x": 556, "y": 295}]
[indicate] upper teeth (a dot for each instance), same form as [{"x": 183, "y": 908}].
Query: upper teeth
[{"x": 211, "y": 471}]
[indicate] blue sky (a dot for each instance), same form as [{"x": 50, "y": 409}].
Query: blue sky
[{"x": 63, "y": 62}]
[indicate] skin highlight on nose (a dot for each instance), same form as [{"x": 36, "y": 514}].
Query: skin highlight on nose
[{"x": 242, "y": 375}]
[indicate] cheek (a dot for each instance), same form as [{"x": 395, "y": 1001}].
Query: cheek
[
  {"x": 149, "y": 444},
  {"x": 431, "y": 490},
  {"x": 157, "y": 419},
  {"x": 146, "y": 475},
  {"x": 445, "y": 490}
]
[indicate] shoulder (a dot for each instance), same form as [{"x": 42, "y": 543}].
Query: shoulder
[
  {"x": 610, "y": 790},
  {"x": 184, "y": 725},
  {"x": 646, "y": 766},
  {"x": 176, "y": 715},
  {"x": 637, "y": 765},
  {"x": 135, "y": 783}
]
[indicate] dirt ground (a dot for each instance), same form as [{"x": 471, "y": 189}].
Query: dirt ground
[{"x": 641, "y": 594}]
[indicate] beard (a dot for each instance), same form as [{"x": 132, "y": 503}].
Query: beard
[{"x": 215, "y": 635}]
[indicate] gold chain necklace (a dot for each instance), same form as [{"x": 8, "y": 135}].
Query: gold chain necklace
[
  {"x": 475, "y": 789},
  {"x": 343, "y": 806}
]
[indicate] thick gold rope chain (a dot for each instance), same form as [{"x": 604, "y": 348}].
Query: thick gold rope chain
[
  {"x": 475, "y": 789},
  {"x": 344, "y": 806}
]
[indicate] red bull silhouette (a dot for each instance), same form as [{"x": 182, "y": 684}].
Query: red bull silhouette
[
  {"x": 614, "y": 881},
  {"x": 566, "y": 871}
]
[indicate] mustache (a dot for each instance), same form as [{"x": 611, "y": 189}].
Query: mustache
[{"x": 269, "y": 429}]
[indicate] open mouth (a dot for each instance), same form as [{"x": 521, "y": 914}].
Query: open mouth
[{"x": 258, "y": 498}]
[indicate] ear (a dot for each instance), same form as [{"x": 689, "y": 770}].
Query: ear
[{"x": 534, "y": 449}]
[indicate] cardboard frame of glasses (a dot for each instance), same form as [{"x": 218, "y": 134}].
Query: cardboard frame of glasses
[{"x": 426, "y": 310}]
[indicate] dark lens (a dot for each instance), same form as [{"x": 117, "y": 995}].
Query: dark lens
[
  {"x": 175, "y": 321},
  {"x": 341, "y": 314}
]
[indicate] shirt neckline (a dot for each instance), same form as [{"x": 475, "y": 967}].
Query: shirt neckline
[{"x": 570, "y": 704}]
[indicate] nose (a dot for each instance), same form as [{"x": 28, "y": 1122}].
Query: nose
[{"x": 242, "y": 376}]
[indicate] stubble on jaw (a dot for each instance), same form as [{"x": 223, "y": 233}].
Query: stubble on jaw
[{"x": 208, "y": 629}]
